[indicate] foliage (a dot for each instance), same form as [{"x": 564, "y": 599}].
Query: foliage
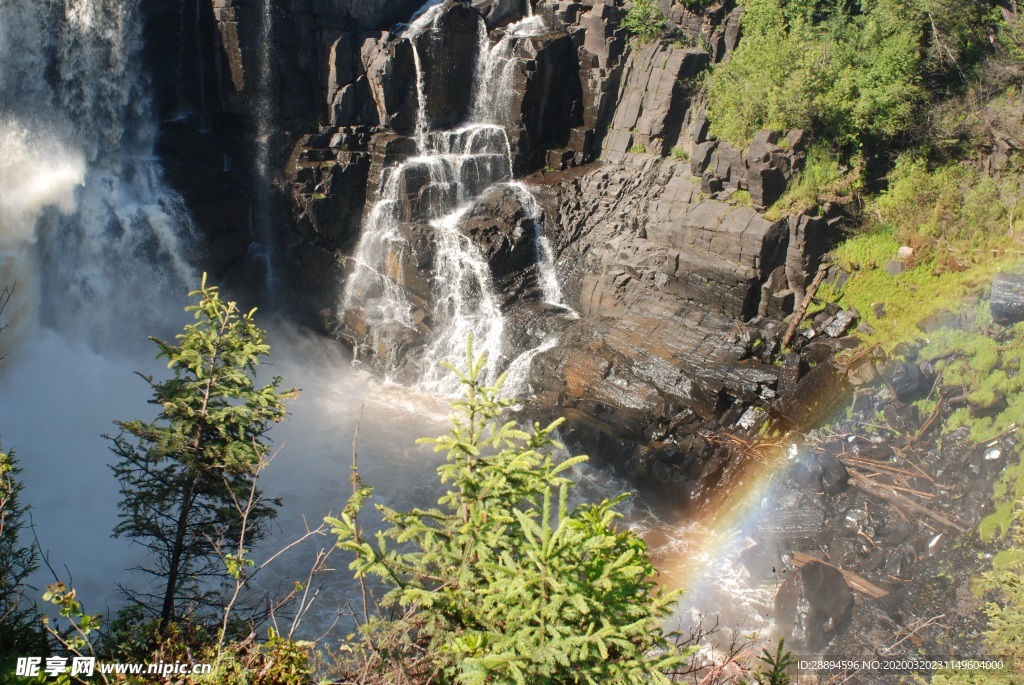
[
  {"x": 278, "y": 661},
  {"x": 923, "y": 289},
  {"x": 638, "y": 148},
  {"x": 81, "y": 626},
  {"x": 742, "y": 198},
  {"x": 818, "y": 65},
  {"x": 19, "y": 621},
  {"x": 502, "y": 582},
  {"x": 851, "y": 70},
  {"x": 952, "y": 206},
  {"x": 680, "y": 153},
  {"x": 183, "y": 475},
  {"x": 644, "y": 20},
  {"x": 821, "y": 178},
  {"x": 777, "y": 664}
]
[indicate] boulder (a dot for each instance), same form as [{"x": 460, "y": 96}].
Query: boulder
[
  {"x": 813, "y": 605},
  {"x": 905, "y": 379},
  {"x": 506, "y": 235},
  {"x": 1007, "y": 301}
]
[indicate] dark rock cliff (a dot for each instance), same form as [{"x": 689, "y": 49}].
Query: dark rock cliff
[{"x": 661, "y": 245}]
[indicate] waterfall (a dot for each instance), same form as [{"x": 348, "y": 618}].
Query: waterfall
[
  {"x": 465, "y": 303},
  {"x": 436, "y": 188},
  {"x": 261, "y": 219},
  {"x": 545, "y": 255},
  {"x": 77, "y": 134}
]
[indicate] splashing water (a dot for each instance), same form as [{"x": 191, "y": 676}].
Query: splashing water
[
  {"x": 27, "y": 188},
  {"x": 438, "y": 186},
  {"x": 118, "y": 250}
]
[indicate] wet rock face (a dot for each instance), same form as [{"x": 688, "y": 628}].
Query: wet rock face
[
  {"x": 449, "y": 55},
  {"x": 813, "y": 605},
  {"x": 659, "y": 81},
  {"x": 656, "y": 234},
  {"x": 499, "y": 13},
  {"x": 661, "y": 357},
  {"x": 505, "y": 233},
  {"x": 1008, "y": 298}
]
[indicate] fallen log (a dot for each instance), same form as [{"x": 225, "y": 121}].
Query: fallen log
[
  {"x": 873, "y": 489},
  {"x": 801, "y": 311},
  {"x": 856, "y": 582}
]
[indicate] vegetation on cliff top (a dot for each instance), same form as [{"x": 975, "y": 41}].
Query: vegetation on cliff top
[{"x": 854, "y": 72}]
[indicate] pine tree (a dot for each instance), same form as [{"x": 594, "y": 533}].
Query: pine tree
[
  {"x": 502, "y": 582},
  {"x": 184, "y": 475},
  {"x": 19, "y": 620}
]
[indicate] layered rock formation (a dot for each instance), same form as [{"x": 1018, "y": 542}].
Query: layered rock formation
[{"x": 661, "y": 246}]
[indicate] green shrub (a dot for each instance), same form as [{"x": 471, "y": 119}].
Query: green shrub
[
  {"x": 644, "y": 21},
  {"x": 680, "y": 153},
  {"x": 949, "y": 206},
  {"x": 638, "y": 148},
  {"x": 502, "y": 582},
  {"x": 806, "y": 64},
  {"x": 821, "y": 177},
  {"x": 742, "y": 198}
]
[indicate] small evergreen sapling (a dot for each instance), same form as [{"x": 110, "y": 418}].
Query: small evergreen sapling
[
  {"x": 183, "y": 475},
  {"x": 19, "y": 619},
  {"x": 502, "y": 582}
]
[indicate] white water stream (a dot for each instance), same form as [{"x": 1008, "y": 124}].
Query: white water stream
[{"x": 460, "y": 165}]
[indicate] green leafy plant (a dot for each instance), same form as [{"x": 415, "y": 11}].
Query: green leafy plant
[
  {"x": 19, "y": 620},
  {"x": 183, "y": 476},
  {"x": 502, "y": 582},
  {"x": 820, "y": 65},
  {"x": 777, "y": 664},
  {"x": 821, "y": 178},
  {"x": 644, "y": 21},
  {"x": 680, "y": 153},
  {"x": 638, "y": 149}
]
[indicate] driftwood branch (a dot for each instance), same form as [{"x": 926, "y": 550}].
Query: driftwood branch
[
  {"x": 869, "y": 487},
  {"x": 855, "y": 581},
  {"x": 801, "y": 311}
]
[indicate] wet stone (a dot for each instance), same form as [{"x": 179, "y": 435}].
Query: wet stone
[{"x": 813, "y": 605}]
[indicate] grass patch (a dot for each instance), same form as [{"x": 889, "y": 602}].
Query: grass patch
[
  {"x": 922, "y": 290},
  {"x": 742, "y": 198},
  {"x": 822, "y": 178},
  {"x": 950, "y": 213},
  {"x": 638, "y": 149},
  {"x": 680, "y": 153}
]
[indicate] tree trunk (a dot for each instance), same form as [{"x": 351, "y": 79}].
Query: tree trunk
[{"x": 173, "y": 570}]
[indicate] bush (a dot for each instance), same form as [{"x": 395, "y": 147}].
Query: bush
[
  {"x": 503, "y": 582},
  {"x": 644, "y": 21},
  {"x": 951, "y": 205},
  {"x": 821, "y": 177},
  {"x": 801, "y": 65}
]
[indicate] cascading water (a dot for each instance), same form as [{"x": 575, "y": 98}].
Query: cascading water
[
  {"x": 76, "y": 132},
  {"x": 262, "y": 246},
  {"x": 549, "y": 284},
  {"x": 98, "y": 250},
  {"x": 452, "y": 169}
]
